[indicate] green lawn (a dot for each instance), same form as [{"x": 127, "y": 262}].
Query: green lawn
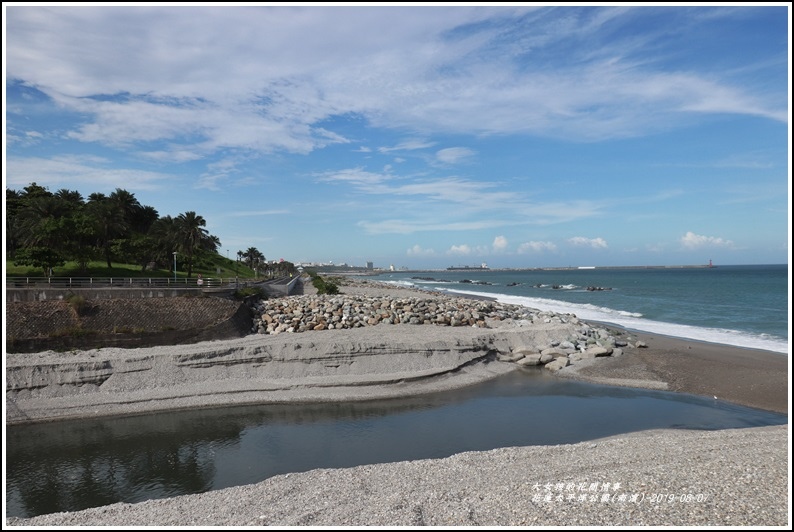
[{"x": 99, "y": 269}]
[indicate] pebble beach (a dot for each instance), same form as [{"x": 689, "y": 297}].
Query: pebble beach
[{"x": 737, "y": 477}]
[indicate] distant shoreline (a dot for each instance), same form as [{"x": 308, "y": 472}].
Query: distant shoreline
[{"x": 376, "y": 271}]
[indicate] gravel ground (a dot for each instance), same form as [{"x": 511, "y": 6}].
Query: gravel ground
[{"x": 659, "y": 478}]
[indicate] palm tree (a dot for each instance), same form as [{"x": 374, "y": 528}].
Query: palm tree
[
  {"x": 70, "y": 196},
  {"x": 42, "y": 226},
  {"x": 192, "y": 236},
  {"x": 110, "y": 222},
  {"x": 127, "y": 203},
  {"x": 166, "y": 237},
  {"x": 13, "y": 205},
  {"x": 252, "y": 256}
]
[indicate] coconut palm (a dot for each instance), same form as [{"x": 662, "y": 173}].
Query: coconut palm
[
  {"x": 252, "y": 256},
  {"x": 193, "y": 238},
  {"x": 110, "y": 222}
]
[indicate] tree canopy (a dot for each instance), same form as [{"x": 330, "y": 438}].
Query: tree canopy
[{"x": 46, "y": 229}]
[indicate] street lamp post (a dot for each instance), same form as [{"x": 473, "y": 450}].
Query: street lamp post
[
  {"x": 174, "y": 267},
  {"x": 236, "y": 268}
]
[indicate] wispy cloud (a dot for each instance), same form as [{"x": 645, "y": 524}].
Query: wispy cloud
[
  {"x": 472, "y": 121},
  {"x": 357, "y": 177},
  {"x": 453, "y": 155},
  {"x": 419, "y": 251},
  {"x": 408, "y": 145},
  {"x": 595, "y": 243},
  {"x": 89, "y": 171},
  {"x": 418, "y": 225},
  {"x": 452, "y": 203},
  {"x": 471, "y": 70},
  {"x": 535, "y": 246},
  {"x": 258, "y": 213}
]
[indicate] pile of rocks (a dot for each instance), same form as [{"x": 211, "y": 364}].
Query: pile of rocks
[
  {"x": 589, "y": 343},
  {"x": 320, "y": 312},
  {"x": 324, "y": 312}
]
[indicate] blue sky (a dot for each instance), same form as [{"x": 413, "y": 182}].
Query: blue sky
[{"x": 418, "y": 136}]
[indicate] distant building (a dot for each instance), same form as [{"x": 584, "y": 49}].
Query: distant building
[{"x": 370, "y": 265}]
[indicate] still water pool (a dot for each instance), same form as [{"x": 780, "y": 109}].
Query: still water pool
[{"x": 68, "y": 466}]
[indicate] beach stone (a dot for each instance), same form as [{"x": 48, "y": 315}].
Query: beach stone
[
  {"x": 557, "y": 364},
  {"x": 599, "y": 351},
  {"x": 514, "y": 356},
  {"x": 553, "y": 351},
  {"x": 306, "y": 312},
  {"x": 545, "y": 359},
  {"x": 530, "y": 360}
]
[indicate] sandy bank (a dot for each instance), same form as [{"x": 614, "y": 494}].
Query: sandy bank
[{"x": 367, "y": 363}]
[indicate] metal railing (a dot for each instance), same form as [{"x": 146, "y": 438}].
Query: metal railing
[{"x": 125, "y": 282}]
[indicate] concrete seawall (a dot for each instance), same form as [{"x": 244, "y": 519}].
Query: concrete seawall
[
  {"x": 16, "y": 295},
  {"x": 118, "y": 322}
]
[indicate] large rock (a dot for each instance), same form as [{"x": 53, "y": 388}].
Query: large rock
[
  {"x": 557, "y": 364},
  {"x": 554, "y": 352},
  {"x": 598, "y": 351},
  {"x": 530, "y": 360}
]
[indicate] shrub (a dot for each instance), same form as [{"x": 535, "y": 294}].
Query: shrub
[
  {"x": 77, "y": 302},
  {"x": 325, "y": 287},
  {"x": 72, "y": 331},
  {"x": 243, "y": 293}
]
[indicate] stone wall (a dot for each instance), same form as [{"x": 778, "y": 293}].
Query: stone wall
[{"x": 56, "y": 325}]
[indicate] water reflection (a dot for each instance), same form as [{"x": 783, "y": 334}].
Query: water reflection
[{"x": 79, "y": 464}]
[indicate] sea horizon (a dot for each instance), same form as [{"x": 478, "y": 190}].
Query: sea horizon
[{"x": 737, "y": 305}]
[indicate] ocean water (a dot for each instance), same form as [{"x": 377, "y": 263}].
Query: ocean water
[{"x": 743, "y": 306}]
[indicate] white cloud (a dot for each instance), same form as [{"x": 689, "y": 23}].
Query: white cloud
[
  {"x": 419, "y": 225},
  {"x": 499, "y": 243},
  {"x": 263, "y": 78},
  {"x": 418, "y": 251},
  {"x": 463, "y": 249},
  {"x": 453, "y": 155},
  {"x": 536, "y": 247},
  {"x": 73, "y": 171},
  {"x": 595, "y": 243},
  {"x": 693, "y": 241},
  {"x": 358, "y": 177},
  {"x": 408, "y": 145},
  {"x": 452, "y": 203},
  {"x": 258, "y": 213}
]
